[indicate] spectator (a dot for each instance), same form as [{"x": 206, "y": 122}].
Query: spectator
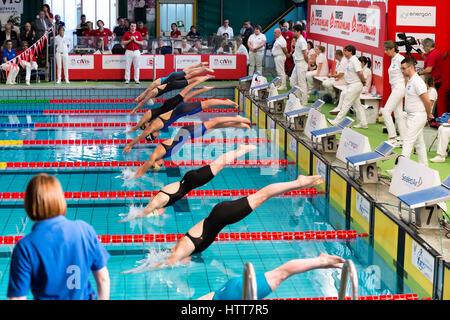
[
  {"x": 257, "y": 46},
  {"x": 41, "y": 25},
  {"x": 185, "y": 46},
  {"x": 120, "y": 29},
  {"x": 48, "y": 13},
  {"x": 28, "y": 34},
  {"x": 291, "y": 25},
  {"x": 311, "y": 56},
  {"x": 241, "y": 32},
  {"x": 28, "y": 60},
  {"x": 13, "y": 27},
  {"x": 289, "y": 37},
  {"x": 175, "y": 34},
  {"x": 337, "y": 78},
  {"x": 86, "y": 37},
  {"x": 442, "y": 143},
  {"x": 279, "y": 52},
  {"x": 193, "y": 34},
  {"x": 247, "y": 33},
  {"x": 239, "y": 48},
  {"x": 100, "y": 47},
  {"x": 83, "y": 24},
  {"x": 418, "y": 111},
  {"x": 433, "y": 63},
  {"x": 431, "y": 89},
  {"x": 365, "y": 65},
  {"x": 395, "y": 101},
  {"x": 225, "y": 28},
  {"x": 298, "y": 77},
  {"x": 8, "y": 34},
  {"x": 57, "y": 257},
  {"x": 103, "y": 32},
  {"x": 142, "y": 29},
  {"x": 58, "y": 22},
  {"x": 131, "y": 41},
  {"x": 62, "y": 55},
  {"x": 322, "y": 68},
  {"x": 7, "y": 55},
  {"x": 198, "y": 47},
  {"x": 355, "y": 81},
  {"x": 126, "y": 22},
  {"x": 88, "y": 31}
]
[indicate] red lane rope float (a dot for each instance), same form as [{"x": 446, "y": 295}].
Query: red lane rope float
[
  {"x": 108, "y": 239},
  {"x": 124, "y": 164},
  {"x": 89, "y": 142},
  {"x": 409, "y": 296},
  {"x": 102, "y": 125},
  {"x": 194, "y": 194},
  {"x": 121, "y": 111},
  {"x": 83, "y": 101}
]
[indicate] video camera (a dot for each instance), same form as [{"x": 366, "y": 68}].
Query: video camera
[{"x": 408, "y": 42}]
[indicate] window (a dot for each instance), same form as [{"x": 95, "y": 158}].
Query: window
[
  {"x": 71, "y": 10},
  {"x": 170, "y": 12}
]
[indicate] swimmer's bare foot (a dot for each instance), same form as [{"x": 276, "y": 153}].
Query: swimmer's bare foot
[
  {"x": 309, "y": 181},
  {"x": 209, "y": 70},
  {"x": 242, "y": 119},
  {"x": 243, "y": 125},
  {"x": 229, "y": 102}
]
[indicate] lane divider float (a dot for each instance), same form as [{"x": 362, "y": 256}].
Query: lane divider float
[{"x": 409, "y": 296}]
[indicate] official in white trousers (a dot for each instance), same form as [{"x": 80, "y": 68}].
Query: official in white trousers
[
  {"x": 442, "y": 143},
  {"x": 62, "y": 55},
  {"x": 279, "y": 53},
  {"x": 351, "y": 94},
  {"x": 418, "y": 108},
  {"x": 337, "y": 78},
  {"x": 132, "y": 39},
  {"x": 298, "y": 77},
  {"x": 256, "y": 48},
  {"x": 394, "y": 104}
]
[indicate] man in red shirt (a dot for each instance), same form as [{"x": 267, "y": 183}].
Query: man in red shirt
[
  {"x": 132, "y": 39},
  {"x": 144, "y": 31},
  {"x": 102, "y": 32},
  {"x": 289, "y": 36}
]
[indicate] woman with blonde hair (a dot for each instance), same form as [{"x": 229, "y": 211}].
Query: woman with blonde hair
[{"x": 56, "y": 258}]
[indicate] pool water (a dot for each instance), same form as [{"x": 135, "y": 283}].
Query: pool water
[{"x": 222, "y": 260}]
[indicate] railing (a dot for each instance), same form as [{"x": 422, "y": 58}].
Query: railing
[
  {"x": 349, "y": 267},
  {"x": 249, "y": 289}
]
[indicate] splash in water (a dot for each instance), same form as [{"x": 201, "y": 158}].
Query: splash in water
[
  {"x": 156, "y": 260},
  {"x": 134, "y": 212},
  {"x": 128, "y": 176}
]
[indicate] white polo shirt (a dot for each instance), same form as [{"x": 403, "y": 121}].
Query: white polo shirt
[
  {"x": 351, "y": 72},
  {"x": 394, "y": 71},
  {"x": 223, "y": 30},
  {"x": 300, "y": 45},
  {"x": 256, "y": 41},
  {"x": 279, "y": 44},
  {"x": 341, "y": 66},
  {"x": 322, "y": 58},
  {"x": 62, "y": 44},
  {"x": 414, "y": 89}
]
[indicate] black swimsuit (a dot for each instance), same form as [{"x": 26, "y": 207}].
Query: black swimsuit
[
  {"x": 191, "y": 180},
  {"x": 167, "y": 106},
  {"x": 223, "y": 214},
  {"x": 172, "y": 85}
]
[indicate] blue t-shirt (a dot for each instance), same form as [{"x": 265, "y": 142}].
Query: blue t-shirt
[
  {"x": 55, "y": 261},
  {"x": 8, "y": 55}
]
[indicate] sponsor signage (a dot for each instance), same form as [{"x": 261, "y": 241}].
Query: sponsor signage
[
  {"x": 81, "y": 62},
  {"x": 11, "y": 7},
  {"x": 356, "y": 24},
  {"x": 352, "y": 143},
  {"x": 422, "y": 260},
  {"x": 222, "y": 62},
  {"x": 416, "y": 16}
]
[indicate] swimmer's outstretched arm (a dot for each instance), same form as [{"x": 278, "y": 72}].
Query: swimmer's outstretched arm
[
  {"x": 152, "y": 85},
  {"x": 147, "y": 131}
]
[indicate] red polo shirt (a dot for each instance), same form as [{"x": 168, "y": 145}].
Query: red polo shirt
[
  {"x": 132, "y": 45},
  {"x": 143, "y": 31},
  {"x": 105, "y": 34},
  {"x": 175, "y": 34},
  {"x": 434, "y": 59},
  {"x": 288, "y": 35}
]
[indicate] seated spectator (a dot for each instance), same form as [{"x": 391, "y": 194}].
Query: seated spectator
[
  {"x": 8, "y": 34},
  {"x": 103, "y": 32},
  {"x": 120, "y": 29},
  {"x": 337, "y": 78},
  {"x": 100, "y": 47},
  {"x": 226, "y": 45},
  {"x": 8, "y": 54},
  {"x": 58, "y": 22},
  {"x": 442, "y": 140},
  {"x": 239, "y": 48},
  {"x": 198, "y": 47},
  {"x": 86, "y": 38},
  {"x": 144, "y": 31},
  {"x": 175, "y": 34},
  {"x": 365, "y": 65},
  {"x": 185, "y": 46},
  {"x": 83, "y": 24},
  {"x": 28, "y": 60},
  {"x": 322, "y": 68},
  {"x": 28, "y": 34},
  {"x": 193, "y": 34},
  {"x": 311, "y": 56},
  {"x": 162, "y": 47},
  {"x": 225, "y": 28},
  {"x": 13, "y": 27}
]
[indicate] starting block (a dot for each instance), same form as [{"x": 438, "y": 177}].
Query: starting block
[
  {"x": 261, "y": 92},
  {"x": 369, "y": 172},
  {"x": 426, "y": 205},
  {"x": 245, "y": 82},
  {"x": 297, "y": 118},
  {"x": 327, "y": 136},
  {"x": 278, "y": 103}
]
